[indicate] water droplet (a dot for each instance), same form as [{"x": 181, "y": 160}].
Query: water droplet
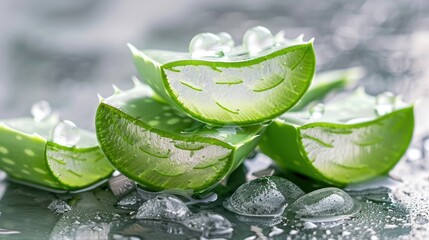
[
  {"x": 385, "y": 103},
  {"x": 326, "y": 204},
  {"x": 309, "y": 225},
  {"x": 66, "y": 133},
  {"x": 40, "y": 110},
  {"x": 205, "y": 45},
  {"x": 211, "y": 224},
  {"x": 414, "y": 154},
  {"x": 421, "y": 219},
  {"x": 226, "y": 41},
  {"x": 258, "y": 39},
  {"x": 263, "y": 197},
  {"x": 59, "y": 206},
  {"x": 317, "y": 111},
  {"x": 163, "y": 207}
]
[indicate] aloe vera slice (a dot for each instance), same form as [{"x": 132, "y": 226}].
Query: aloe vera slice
[
  {"x": 328, "y": 82},
  {"x": 348, "y": 143},
  {"x": 28, "y": 156},
  {"x": 160, "y": 148},
  {"x": 240, "y": 89}
]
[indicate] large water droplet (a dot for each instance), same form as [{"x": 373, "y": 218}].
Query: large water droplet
[
  {"x": 210, "y": 224},
  {"x": 66, "y": 133},
  {"x": 385, "y": 103},
  {"x": 258, "y": 39},
  {"x": 165, "y": 207},
  {"x": 317, "y": 111},
  {"x": 205, "y": 45},
  {"x": 226, "y": 41},
  {"x": 263, "y": 197},
  {"x": 41, "y": 110},
  {"x": 59, "y": 206},
  {"x": 326, "y": 204}
]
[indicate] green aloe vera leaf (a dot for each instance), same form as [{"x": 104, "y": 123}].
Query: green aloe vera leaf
[
  {"x": 28, "y": 156},
  {"x": 157, "y": 146},
  {"x": 239, "y": 90},
  {"x": 349, "y": 143},
  {"x": 328, "y": 82}
]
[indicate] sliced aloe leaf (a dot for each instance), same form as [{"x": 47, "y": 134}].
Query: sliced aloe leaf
[
  {"x": 240, "y": 89},
  {"x": 160, "y": 148},
  {"x": 28, "y": 156},
  {"x": 347, "y": 143},
  {"x": 328, "y": 82}
]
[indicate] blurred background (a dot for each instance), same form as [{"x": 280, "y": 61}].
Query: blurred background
[{"x": 66, "y": 52}]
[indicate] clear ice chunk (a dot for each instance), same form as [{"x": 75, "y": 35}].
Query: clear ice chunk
[
  {"x": 66, "y": 133},
  {"x": 163, "y": 207},
  {"x": 206, "y": 45},
  {"x": 59, "y": 206},
  {"x": 210, "y": 224},
  {"x": 323, "y": 205},
  {"x": 263, "y": 197},
  {"x": 131, "y": 201},
  {"x": 258, "y": 39}
]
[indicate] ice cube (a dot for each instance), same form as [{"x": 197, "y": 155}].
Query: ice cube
[
  {"x": 210, "y": 224},
  {"x": 326, "y": 204},
  {"x": 59, "y": 206},
  {"x": 163, "y": 207},
  {"x": 263, "y": 197}
]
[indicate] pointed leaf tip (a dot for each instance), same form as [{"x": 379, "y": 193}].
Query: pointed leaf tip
[
  {"x": 116, "y": 90},
  {"x": 100, "y": 98},
  {"x": 136, "y": 81}
]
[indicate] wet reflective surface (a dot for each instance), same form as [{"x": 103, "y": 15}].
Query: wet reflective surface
[
  {"x": 66, "y": 53},
  {"x": 389, "y": 207}
]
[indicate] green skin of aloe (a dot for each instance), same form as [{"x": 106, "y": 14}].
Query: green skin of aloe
[
  {"x": 29, "y": 157},
  {"x": 240, "y": 90}
]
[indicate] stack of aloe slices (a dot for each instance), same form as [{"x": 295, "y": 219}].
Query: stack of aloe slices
[
  {"x": 30, "y": 155},
  {"x": 201, "y": 113}
]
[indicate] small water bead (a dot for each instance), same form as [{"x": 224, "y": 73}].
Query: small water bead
[
  {"x": 263, "y": 197},
  {"x": 421, "y": 219},
  {"x": 206, "y": 45},
  {"x": 41, "y": 110},
  {"x": 317, "y": 111},
  {"x": 258, "y": 39},
  {"x": 326, "y": 204},
  {"x": 385, "y": 103},
  {"x": 226, "y": 41},
  {"x": 66, "y": 133},
  {"x": 163, "y": 207},
  {"x": 211, "y": 224}
]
